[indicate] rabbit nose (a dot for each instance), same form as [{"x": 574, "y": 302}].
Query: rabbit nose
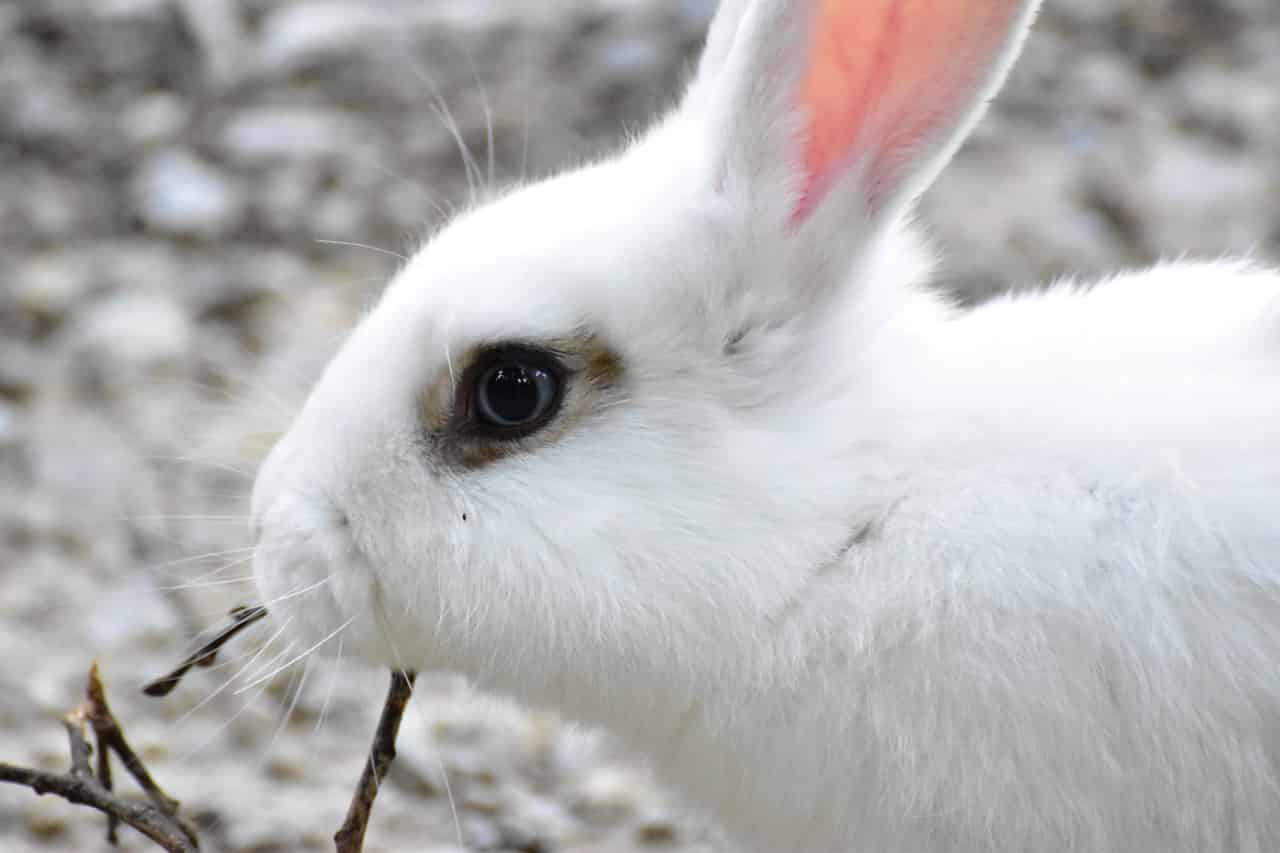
[{"x": 298, "y": 510}]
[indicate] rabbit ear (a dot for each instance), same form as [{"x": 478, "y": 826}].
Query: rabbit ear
[
  {"x": 720, "y": 39},
  {"x": 860, "y": 99}
]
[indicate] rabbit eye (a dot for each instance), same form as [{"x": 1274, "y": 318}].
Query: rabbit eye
[{"x": 516, "y": 391}]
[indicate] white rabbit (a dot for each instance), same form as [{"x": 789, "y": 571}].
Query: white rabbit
[{"x": 678, "y": 444}]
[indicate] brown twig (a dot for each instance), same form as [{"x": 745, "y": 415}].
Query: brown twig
[
  {"x": 241, "y": 617},
  {"x": 81, "y": 786},
  {"x": 104, "y": 773},
  {"x": 111, "y": 739},
  {"x": 350, "y": 836}
]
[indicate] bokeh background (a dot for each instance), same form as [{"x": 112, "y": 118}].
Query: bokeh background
[{"x": 179, "y": 183}]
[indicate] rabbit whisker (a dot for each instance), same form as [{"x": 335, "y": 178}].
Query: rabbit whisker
[
  {"x": 212, "y": 736},
  {"x": 297, "y": 682},
  {"x": 208, "y": 463},
  {"x": 161, "y": 517},
  {"x": 296, "y": 592},
  {"x": 303, "y": 654},
  {"x": 239, "y": 673},
  {"x": 333, "y": 680},
  {"x": 232, "y": 398},
  {"x": 209, "y": 583},
  {"x": 162, "y": 568},
  {"x": 367, "y": 246},
  {"x": 271, "y": 668},
  {"x": 524, "y": 143},
  {"x": 488, "y": 118}
]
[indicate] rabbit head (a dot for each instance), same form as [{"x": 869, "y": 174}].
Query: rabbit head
[{"x": 596, "y": 433}]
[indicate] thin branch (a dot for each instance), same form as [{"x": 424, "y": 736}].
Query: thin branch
[
  {"x": 241, "y": 618},
  {"x": 85, "y": 791},
  {"x": 111, "y": 738},
  {"x": 350, "y": 836},
  {"x": 157, "y": 820},
  {"x": 104, "y": 778},
  {"x": 79, "y": 747}
]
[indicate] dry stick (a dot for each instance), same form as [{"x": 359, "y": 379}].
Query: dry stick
[
  {"x": 241, "y": 617},
  {"x": 81, "y": 787},
  {"x": 111, "y": 738},
  {"x": 158, "y": 820},
  {"x": 350, "y": 836},
  {"x": 104, "y": 768}
]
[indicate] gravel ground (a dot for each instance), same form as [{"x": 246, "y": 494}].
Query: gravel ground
[{"x": 170, "y": 172}]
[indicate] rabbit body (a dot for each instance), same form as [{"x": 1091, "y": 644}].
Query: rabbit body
[
  {"x": 1055, "y": 625},
  {"x": 856, "y": 570}
]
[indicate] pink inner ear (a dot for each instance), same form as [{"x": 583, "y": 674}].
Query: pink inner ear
[{"x": 888, "y": 78}]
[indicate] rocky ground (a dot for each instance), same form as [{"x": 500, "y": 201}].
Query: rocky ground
[{"x": 170, "y": 172}]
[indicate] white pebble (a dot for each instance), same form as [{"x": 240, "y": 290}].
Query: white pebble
[
  {"x": 178, "y": 193},
  {"x": 268, "y": 133}
]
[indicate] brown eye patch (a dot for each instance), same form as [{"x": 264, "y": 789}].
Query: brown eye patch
[{"x": 509, "y": 397}]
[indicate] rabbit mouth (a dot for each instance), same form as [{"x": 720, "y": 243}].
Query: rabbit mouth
[
  {"x": 296, "y": 586},
  {"x": 318, "y": 587}
]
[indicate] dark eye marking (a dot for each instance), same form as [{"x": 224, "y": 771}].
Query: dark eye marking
[
  {"x": 511, "y": 391},
  {"x": 516, "y": 396}
]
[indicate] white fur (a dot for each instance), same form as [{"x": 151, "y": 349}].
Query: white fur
[{"x": 878, "y": 576}]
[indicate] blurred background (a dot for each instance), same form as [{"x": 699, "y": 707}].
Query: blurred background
[{"x": 197, "y": 197}]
